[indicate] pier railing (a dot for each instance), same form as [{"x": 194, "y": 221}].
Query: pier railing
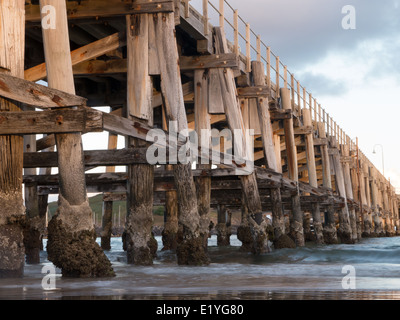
[{"x": 277, "y": 73}]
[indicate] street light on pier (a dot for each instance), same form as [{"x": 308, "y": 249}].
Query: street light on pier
[{"x": 383, "y": 162}]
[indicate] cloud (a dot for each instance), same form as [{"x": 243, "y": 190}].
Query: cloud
[
  {"x": 302, "y": 31},
  {"x": 323, "y": 85}
]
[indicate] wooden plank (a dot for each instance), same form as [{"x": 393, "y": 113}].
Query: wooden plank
[
  {"x": 140, "y": 87},
  {"x": 121, "y": 157},
  {"x": 254, "y": 122},
  {"x": 46, "y": 142},
  {"x": 100, "y": 67},
  {"x": 280, "y": 114},
  {"x": 112, "y": 145},
  {"x": 51, "y": 121},
  {"x": 303, "y": 130},
  {"x": 154, "y": 63},
  {"x": 216, "y": 105},
  {"x": 36, "y": 95},
  {"x": 125, "y": 127},
  {"x": 264, "y": 119},
  {"x": 88, "y": 52},
  {"x": 103, "y": 8},
  {"x": 253, "y": 92},
  {"x": 226, "y": 60}
]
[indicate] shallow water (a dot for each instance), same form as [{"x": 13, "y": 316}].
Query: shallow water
[{"x": 312, "y": 272}]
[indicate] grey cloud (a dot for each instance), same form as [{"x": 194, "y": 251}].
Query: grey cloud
[
  {"x": 302, "y": 31},
  {"x": 323, "y": 86}
]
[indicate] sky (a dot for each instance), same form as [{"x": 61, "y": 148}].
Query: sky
[{"x": 353, "y": 73}]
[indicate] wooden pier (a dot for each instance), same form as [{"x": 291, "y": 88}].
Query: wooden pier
[{"x": 162, "y": 67}]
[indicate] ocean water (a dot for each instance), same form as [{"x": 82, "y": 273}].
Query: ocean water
[{"x": 309, "y": 273}]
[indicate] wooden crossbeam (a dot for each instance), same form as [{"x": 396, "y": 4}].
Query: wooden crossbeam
[
  {"x": 88, "y": 52},
  {"x": 51, "y": 121},
  {"x": 103, "y": 8},
  {"x": 164, "y": 181},
  {"x": 253, "y": 92},
  {"x": 36, "y": 95},
  {"x": 227, "y": 60},
  {"x": 280, "y": 114},
  {"x": 234, "y": 199},
  {"x": 99, "y": 67},
  {"x": 297, "y": 131},
  {"x": 91, "y": 158}
]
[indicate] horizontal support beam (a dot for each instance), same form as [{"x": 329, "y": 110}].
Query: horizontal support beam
[
  {"x": 253, "y": 92},
  {"x": 163, "y": 181},
  {"x": 281, "y": 114},
  {"x": 125, "y": 127},
  {"x": 100, "y": 67},
  {"x": 118, "y": 157},
  {"x": 103, "y": 8},
  {"x": 51, "y": 121},
  {"x": 297, "y": 130},
  {"x": 36, "y": 95},
  {"x": 227, "y": 60},
  {"x": 115, "y": 66},
  {"x": 266, "y": 179}
]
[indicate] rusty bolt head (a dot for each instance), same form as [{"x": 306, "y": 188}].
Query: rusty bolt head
[{"x": 59, "y": 120}]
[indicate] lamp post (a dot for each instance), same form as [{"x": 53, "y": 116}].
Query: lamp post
[{"x": 383, "y": 162}]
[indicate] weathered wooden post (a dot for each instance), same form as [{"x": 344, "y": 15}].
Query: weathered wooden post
[
  {"x": 170, "y": 233},
  {"x": 12, "y": 45},
  {"x": 43, "y": 199},
  {"x": 375, "y": 203},
  {"x": 223, "y": 227},
  {"x": 296, "y": 218},
  {"x": 344, "y": 231},
  {"x": 330, "y": 235},
  {"x": 349, "y": 189},
  {"x": 33, "y": 230},
  {"x": 191, "y": 250},
  {"x": 366, "y": 228},
  {"x": 171, "y": 227},
  {"x": 368, "y": 222},
  {"x": 71, "y": 243},
  {"x": 235, "y": 123},
  {"x": 357, "y": 198},
  {"x": 203, "y": 130},
  {"x": 269, "y": 148},
  {"x": 312, "y": 176},
  {"x": 106, "y": 225},
  {"x": 140, "y": 176},
  {"x": 244, "y": 231},
  {"x": 108, "y": 205}
]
